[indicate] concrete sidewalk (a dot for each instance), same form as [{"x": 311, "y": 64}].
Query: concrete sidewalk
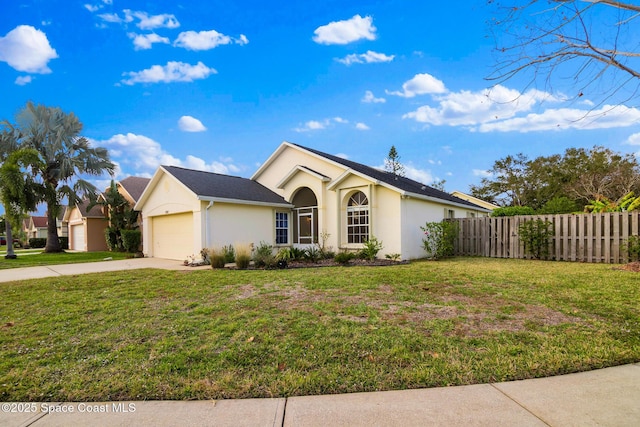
[
  {"x": 25, "y": 273},
  {"x": 605, "y": 397}
]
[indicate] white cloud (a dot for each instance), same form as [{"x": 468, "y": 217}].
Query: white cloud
[
  {"x": 190, "y": 124},
  {"x": 362, "y": 126},
  {"x": 369, "y": 98},
  {"x": 23, "y": 80},
  {"x": 27, "y": 49},
  {"x": 633, "y": 139},
  {"x": 482, "y": 173},
  {"x": 311, "y": 125},
  {"x": 147, "y": 22},
  {"x": 205, "y": 40},
  {"x": 144, "y": 155},
  {"x": 113, "y": 18},
  {"x": 420, "y": 175},
  {"x": 347, "y": 31},
  {"x": 567, "y": 118},
  {"x": 466, "y": 108},
  {"x": 342, "y": 156},
  {"x": 145, "y": 41},
  {"x": 172, "y": 72},
  {"x": 92, "y": 8},
  {"x": 365, "y": 58},
  {"x": 420, "y": 84}
]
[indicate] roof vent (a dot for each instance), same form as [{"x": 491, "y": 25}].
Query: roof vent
[{"x": 424, "y": 187}]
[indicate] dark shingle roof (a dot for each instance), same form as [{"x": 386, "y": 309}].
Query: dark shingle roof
[
  {"x": 399, "y": 182},
  {"x": 135, "y": 185},
  {"x": 40, "y": 221},
  {"x": 208, "y": 184}
]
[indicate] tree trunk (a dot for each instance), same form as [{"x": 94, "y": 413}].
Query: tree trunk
[
  {"x": 53, "y": 243},
  {"x": 10, "y": 254}
]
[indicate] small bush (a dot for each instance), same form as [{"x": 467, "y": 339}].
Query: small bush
[
  {"x": 632, "y": 248},
  {"x": 312, "y": 254},
  {"x": 536, "y": 236},
  {"x": 344, "y": 257},
  {"x": 64, "y": 242},
  {"x": 284, "y": 254},
  {"x": 131, "y": 240},
  {"x": 243, "y": 256},
  {"x": 371, "y": 248},
  {"x": 513, "y": 211},
  {"x": 111, "y": 237},
  {"x": 263, "y": 256},
  {"x": 229, "y": 254},
  {"x": 216, "y": 257},
  {"x": 439, "y": 238},
  {"x": 37, "y": 242},
  {"x": 393, "y": 257}
]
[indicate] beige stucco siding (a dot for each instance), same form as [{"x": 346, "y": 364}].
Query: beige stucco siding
[
  {"x": 170, "y": 197},
  {"x": 229, "y": 224},
  {"x": 386, "y": 219}
]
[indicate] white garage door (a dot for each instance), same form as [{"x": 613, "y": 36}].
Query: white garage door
[
  {"x": 173, "y": 236},
  {"x": 77, "y": 236}
]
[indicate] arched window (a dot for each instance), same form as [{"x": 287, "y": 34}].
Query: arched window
[{"x": 358, "y": 218}]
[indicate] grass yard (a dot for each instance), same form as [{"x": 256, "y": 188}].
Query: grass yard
[
  {"x": 27, "y": 258},
  {"x": 213, "y": 334}
]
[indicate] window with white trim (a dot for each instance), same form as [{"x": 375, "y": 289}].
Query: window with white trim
[
  {"x": 358, "y": 218},
  {"x": 282, "y": 228}
]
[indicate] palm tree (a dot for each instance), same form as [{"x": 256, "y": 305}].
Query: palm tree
[{"x": 64, "y": 156}]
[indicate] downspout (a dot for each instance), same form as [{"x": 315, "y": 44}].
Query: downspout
[{"x": 206, "y": 224}]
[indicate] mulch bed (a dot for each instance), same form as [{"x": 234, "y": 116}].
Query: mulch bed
[{"x": 632, "y": 266}]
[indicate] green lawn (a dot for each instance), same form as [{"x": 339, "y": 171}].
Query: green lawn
[
  {"x": 210, "y": 334},
  {"x": 33, "y": 258}
]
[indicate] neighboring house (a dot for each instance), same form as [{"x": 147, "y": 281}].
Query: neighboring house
[
  {"x": 298, "y": 197},
  {"x": 86, "y": 227},
  {"x": 35, "y": 227},
  {"x": 474, "y": 200}
]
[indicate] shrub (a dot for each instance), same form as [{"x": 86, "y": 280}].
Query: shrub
[
  {"x": 243, "y": 256},
  {"x": 131, "y": 240},
  {"x": 439, "y": 238},
  {"x": 344, "y": 257},
  {"x": 536, "y": 236},
  {"x": 513, "y": 211},
  {"x": 284, "y": 254},
  {"x": 111, "y": 237},
  {"x": 632, "y": 248},
  {"x": 371, "y": 248},
  {"x": 312, "y": 253},
  {"x": 559, "y": 205},
  {"x": 393, "y": 257},
  {"x": 64, "y": 242},
  {"x": 37, "y": 242},
  {"x": 229, "y": 254},
  {"x": 263, "y": 256},
  {"x": 216, "y": 257}
]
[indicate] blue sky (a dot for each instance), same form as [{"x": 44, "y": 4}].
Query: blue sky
[{"x": 217, "y": 86}]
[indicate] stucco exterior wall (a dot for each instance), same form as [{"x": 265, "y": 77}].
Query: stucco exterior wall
[
  {"x": 230, "y": 224},
  {"x": 94, "y": 233}
]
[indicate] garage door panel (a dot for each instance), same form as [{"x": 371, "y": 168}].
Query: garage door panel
[
  {"x": 77, "y": 235},
  {"x": 173, "y": 236}
]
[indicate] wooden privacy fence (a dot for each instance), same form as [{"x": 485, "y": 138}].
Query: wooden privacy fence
[{"x": 576, "y": 237}]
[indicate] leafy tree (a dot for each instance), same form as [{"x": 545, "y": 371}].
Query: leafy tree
[
  {"x": 19, "y": 193},
  {"x": 591, "y": 41},
  {"x": 439, "y": 185},
  {"x": 507, "y": 184},
  {"x": 512, "y": 211},
  {"x": 559, "y": 205},
  {"x": 579, "y": 175},
  {"x": 63, "y": 157},
  {"x": 392, "y": 162},
  {"x": 120, "y": 215}
]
